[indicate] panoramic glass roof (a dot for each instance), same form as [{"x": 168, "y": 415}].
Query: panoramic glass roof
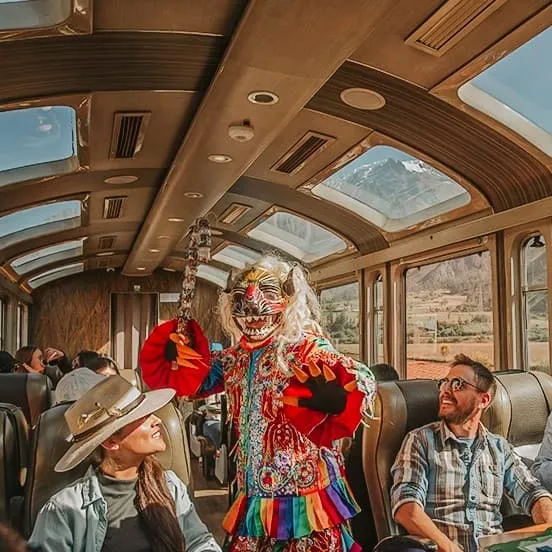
[
  {"x": 236, "y": 256},
  {"x": 26, "y": 14},
  {"x": 392, "y": 189},
  {"x": 47, "y": 255},
  {"x": 213, "y": 274},
  {"x": 301, "y": 238},
  {"x": 38, "y": 221},
  {"x": 516, "y": 91},
  {"x": 37, "y": 142},
  {"x": 55, "y": 274}
]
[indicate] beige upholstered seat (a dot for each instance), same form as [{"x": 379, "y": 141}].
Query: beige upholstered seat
[{"x": 31, "y": 392}]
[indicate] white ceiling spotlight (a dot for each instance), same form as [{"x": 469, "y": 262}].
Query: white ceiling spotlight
[
  {"x": 105, "y": 254},
  {"x": 263, "y": 97},
  {"x": 154, "y": 250},
  {"x": 141, "y": 268},
  {"x": 193, "y": 195},
  {"x": 241, "y": 132},
  {"x": 175, "y": 219},
  {"x": 219, "y": 158}
]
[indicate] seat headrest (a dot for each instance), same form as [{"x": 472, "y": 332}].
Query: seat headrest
[{"x": 31, "y": 392}]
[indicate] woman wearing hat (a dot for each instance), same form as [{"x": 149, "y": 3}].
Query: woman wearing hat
[{"x": 125, "y": 502}]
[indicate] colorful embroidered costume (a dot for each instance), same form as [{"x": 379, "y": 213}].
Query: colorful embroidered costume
[{"x": 289, "y": 404}]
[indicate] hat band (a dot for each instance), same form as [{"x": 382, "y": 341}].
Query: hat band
[{"x": 119, "y": 413}]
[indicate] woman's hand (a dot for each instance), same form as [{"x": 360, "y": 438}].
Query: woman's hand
[{"x": 53, "y": 354}]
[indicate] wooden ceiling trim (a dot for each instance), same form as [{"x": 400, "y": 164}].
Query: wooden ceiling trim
[
  {"x": 505, "y": 173},
  {"x": 108, "y": 61},
  {"x": 355, "y": 229}
]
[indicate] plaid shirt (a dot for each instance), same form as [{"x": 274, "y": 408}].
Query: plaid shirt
[{"x": 460, "y": 486}]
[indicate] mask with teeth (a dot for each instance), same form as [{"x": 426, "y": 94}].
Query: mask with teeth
[{"x": 258, "y": 301}]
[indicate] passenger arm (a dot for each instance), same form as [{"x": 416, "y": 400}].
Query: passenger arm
[
  {"x": 542, "y": 466},
  {"x": 52, "y": 532},
  {"x": 524, "y": 488},
  {"x": 166, "y": 361}
]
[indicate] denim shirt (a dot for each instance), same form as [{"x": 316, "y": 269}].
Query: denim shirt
[{"x": 75, "y": 518}]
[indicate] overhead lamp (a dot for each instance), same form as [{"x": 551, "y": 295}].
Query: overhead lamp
[
  {"x": 163, "y": 237},
  {"x": 154, "y": 250},
  {"x": 141, "y": 268},
  {"x": 105, "y": 254},
  {"x": 241, "y": 132},
  {"x": 263, "y": 97},
  {"x": 362, "y": 98},
  {"x": 169, "y": 269},
  {"x": 219, "y": 158},
  {"x": 193, "y": 195},
  {"x": 175, "y": 219},
  {"x": 121, "y": 179},
  {"x": 537, "y": 242}
]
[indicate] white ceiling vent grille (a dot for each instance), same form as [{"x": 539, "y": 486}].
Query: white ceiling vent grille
[
  {"x": 106, "y": 242},
  {"x": 114, "y": 207},
  {"x": 129, "y": 132},
  {"x": 450, "y": 24},
  {"x": 311, "y": 145}
]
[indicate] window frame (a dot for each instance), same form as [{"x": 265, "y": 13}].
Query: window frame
[
  {"x": 22, "y": 325},
  {"x": 3, "y": 322}
]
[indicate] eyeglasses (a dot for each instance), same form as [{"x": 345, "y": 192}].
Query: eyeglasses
[{"x": 456, "y": 384}]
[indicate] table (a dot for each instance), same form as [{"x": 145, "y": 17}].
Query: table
[{"x": 524, "y": 532}]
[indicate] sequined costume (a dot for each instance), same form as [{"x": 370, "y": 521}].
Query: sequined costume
[{"x": 292, "y": 495}]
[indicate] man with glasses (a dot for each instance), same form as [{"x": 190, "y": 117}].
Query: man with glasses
[{"x": 449, "y": 476}]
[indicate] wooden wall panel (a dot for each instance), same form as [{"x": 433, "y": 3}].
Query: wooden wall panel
[{"x": 74, "y": 313}]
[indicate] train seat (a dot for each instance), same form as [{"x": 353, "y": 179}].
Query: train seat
[
  {"x": 49, "y": 443},
  {"x": 31, "y": 392}
]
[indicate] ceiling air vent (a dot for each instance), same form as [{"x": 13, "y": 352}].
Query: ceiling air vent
[
  {"x": 129, "y": 131},
  {"x": 106, "y": 242},
  {"x": 234, "y": 212},
  {"x": 311, "y": 145},
  {"x": 450, "y": 24},
  {"x": 113, "y": 207}
]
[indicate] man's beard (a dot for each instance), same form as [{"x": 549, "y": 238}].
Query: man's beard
[{"x": 459, "y": 416}]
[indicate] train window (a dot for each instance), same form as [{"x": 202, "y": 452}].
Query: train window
[
  {"x": 21, "y": 336},
  {"x": 37, "y": 142},
  {"x": 47, "y": 255},
  {"x": 535, "y": 304},
  {"x": 3, "y": 309},
  {"x": 392, "y": 189},
  {"x": 448, "y": 311},
  {"x": 31, "y": 14},
  {"x": 340, "y": 308},
  {"x": 236, "y": 256},
  {"x": 55, "y": 274},
  {"x": 212, "y": 274},
  {"x": 378, "y": 320},
  {"x": 299, "y": 237},
  {"x": 516, "y": 91},
  {"x": 39, "y": 221}
]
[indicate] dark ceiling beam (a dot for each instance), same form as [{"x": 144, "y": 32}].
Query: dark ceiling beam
[{"x": 285, "y": 46}]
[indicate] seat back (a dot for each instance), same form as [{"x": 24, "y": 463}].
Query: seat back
[
  {"x": 49, "y": 443},
  {"x": 520, "y": 409},
  {"x": 30, "y": 392},
  {"x": 400, "y": 407},
  {"x": 13, "y": 456}
]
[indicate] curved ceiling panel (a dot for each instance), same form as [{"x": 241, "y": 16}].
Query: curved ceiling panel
[
  {"x": 108, "y": 61},
  {"x": 506, "y": 174}
]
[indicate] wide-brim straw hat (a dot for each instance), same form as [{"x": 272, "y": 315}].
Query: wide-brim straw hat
[{"x": 102, "y": 411}]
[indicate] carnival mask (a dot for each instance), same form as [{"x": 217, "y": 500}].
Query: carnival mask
[{"x": 258, "y": 301}]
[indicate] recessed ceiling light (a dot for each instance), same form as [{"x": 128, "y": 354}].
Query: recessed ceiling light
[
  {"x": 362, "y": 98},
  {"x": 154, "y": 250},
  {"x": 140, "y": 268},
  {"x": 121, "y": 179},
  {"x": 263, "y": 97},
  {"x": 219, "y": 158},
  {"x": 215, "y": 232},
  {"x": 169, "y": 269},
  {"x": 105, "y": 254},
  {"x": 193, "y": 195},
  {"x": 163, "y": 237},
  {"x": 175, "y": 219}
]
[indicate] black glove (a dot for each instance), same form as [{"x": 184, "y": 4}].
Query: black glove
[{"x": 327, "y": 396}]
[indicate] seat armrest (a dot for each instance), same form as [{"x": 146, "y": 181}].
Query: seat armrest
[{"x": 399, "y": 543}]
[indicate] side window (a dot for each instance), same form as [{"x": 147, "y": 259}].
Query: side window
[
  {"x": 534, "y": 293},
  {"x": 340, "y": 317},
  {"x": 21, "y": 334},
  {"x": 378, "y": 320},
  {"x": 448, "y": 311},
  {"x": 2, "y": 324}
]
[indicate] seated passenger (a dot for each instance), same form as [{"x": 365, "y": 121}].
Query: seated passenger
[
  {"x": 542, "y": 466},
  {"x": 30, "y": 359},
  {"x": 449, "y": 476},
  {"x": 103, "y": 366},
  {"x": 84, "y": 358},
  {"x": 75, "y": 384},
  {"x": 125, "y": 502}
]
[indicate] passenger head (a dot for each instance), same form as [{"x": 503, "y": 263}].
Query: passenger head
[
  {"x": 84, "y": 358},
  {"x": 384, "y": 372},
  {"x": 75, "y": 384},
  {"x": 466, "y": 391},
  {"x": 30, "y": 359},
  {"x": 103, "y": 366},
  {"x": 7, "y": 363}
]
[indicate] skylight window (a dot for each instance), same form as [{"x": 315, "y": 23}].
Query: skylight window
[
  {"x": 392, "y": 189},
  {"x": 37, "y": 142},
  {"x": 39, "y": 221},
  {"x": 32, "y": 14},
  {"x": 212, "y": 274},
  {"x": 236, "y": 256},
  {"x": 516, "y": 91},
  {"x": 55, "y": 274},
  {"x": 299, "y": 237},
  {"x": 47, "y": 255}
]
